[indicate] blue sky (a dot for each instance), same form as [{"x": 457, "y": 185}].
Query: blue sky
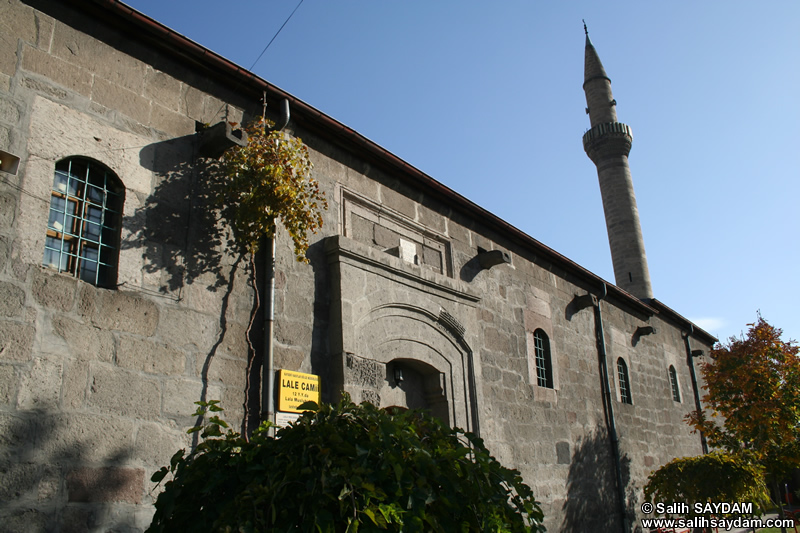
[{"x": 487, "y": 98}]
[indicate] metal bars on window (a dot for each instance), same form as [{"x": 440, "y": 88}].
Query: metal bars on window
[
  {"x": 544, "y": 366},
  {"x": 84, "y": 221},
  {"x": 624, "y": 382},
  {"x": 673, "y": 381}
]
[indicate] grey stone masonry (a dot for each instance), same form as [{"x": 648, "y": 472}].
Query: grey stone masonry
[
  {"x": 413, "y": 297},
  {"x": 608, "y": 144}
]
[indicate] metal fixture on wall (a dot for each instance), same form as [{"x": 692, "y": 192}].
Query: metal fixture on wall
[
  {"x": 691, "y": 354},
  {"x": 579, "y": 303}
]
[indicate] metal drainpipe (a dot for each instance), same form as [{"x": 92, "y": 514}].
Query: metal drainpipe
[
  {"x": 268, "y": 367},
  {"x": 609, "y": 406},
  {"x": 695, "y": 392}
]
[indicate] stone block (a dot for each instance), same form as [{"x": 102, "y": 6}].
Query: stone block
[
  {"x": 172, "y": 123},
  {"x": 289, "y": 358},
  {"x": 8, "y": 210},
  {"x": 53, "y": 290},
  {"x": 77, "y": 518},
  {"x": 8, "y": 54},
  {"x": 87, "y": 299},
  {"x": 86, "y": 342},
  {"x": 9, "y": 111},
  {"x": 75, "y": 384},
  {"x": 5, "y": 132},
  {"x": 364, "y": 372},
  {"x": 230, "y": 372},
  {"x": 432, "y": 258},
  {"x": 18, "y": 19},
  {"x": 156, "y": 444},
  {"x": 192, "y": 103},
  {"x": 149, "y": 356},
  {"x": 109, "y": 484},
  {"x": 59, "y": 71},
  {"x": 17, "y": 480},
  {"x": 361, "y": 230},
  {"x": 124, "y": 393},
  {"x": 49, "y": 484},
  {"x": 162, "y": 88},
  {"x": 16, "y": 340},
  {"x": 90, "y": 438},
  {"x": 457, "y": 232},
  {"x": 12, "y": 300},
  {"x": 293, "y": 333},
  {"x": 431, "y": 219},
  {"x": 45, "y": 87},
  {"x": 41, "y": 388},
  {"x": 234, "y": 344},
  {"x": 123, "y": 311},
  {"x": 186, "y": 328},
  {"x": 180, "y": 395},
  {"x": 496, "y": 340},
  {"x": 562, "y": 453},
  {"x": 23, "y": 520},
  {"x": 123, "y": 100},
  {"x": 8, "y": 384},
  {"x": 201, "y": 294},
  {"x": 398, "y": 202},
  {"x": 79, "y": 48}
]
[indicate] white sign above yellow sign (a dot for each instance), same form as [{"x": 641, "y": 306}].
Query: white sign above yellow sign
[{"x": 296, "y": 389}]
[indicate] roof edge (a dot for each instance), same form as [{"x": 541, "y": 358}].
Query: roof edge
[{"x": 173, "y": 43}]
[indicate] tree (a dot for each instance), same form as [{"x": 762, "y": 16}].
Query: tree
[
  {"x": 343, "y": 468},
  {"x": 753, "y": 387},
  {"x": 268, "y": 181}
]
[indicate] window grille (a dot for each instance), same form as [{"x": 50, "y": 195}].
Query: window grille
[
  {"x": 544, "y": 365},
  {"x": 673, "y": 380},
  {"x": 624, "y": 383},
  {"x": 83, "y": 226}
]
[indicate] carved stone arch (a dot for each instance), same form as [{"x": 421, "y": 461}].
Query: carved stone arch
[
  {"x": 387, "y": 315},
  {"x": 430, "y": 350}
]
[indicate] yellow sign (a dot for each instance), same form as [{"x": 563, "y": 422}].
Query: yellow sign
[{"x": 296, "y": 389}]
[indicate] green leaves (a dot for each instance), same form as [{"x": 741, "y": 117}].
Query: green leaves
[
  {"x": 344, "y": 468},
  {"x": 269, "y": 181},
  {"x": 714, "y": 477}
]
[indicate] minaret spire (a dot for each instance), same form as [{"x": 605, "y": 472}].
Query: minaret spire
[{"x": 608, "y": 144}]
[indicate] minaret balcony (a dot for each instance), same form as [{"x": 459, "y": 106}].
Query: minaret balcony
[{"x": 608, "y": 139}]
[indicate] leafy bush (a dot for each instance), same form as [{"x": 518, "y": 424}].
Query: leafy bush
[
  {"x": 343, "y": 468},
  {"x": 714, "y": 477}
]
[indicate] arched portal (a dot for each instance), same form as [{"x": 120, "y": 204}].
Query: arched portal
[{"x": 389, "y": 321}]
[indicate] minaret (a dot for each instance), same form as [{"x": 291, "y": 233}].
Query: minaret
[{"x": 607, "y": 144}]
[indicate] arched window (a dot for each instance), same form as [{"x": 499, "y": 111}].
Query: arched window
[
  {"x": 84, "y": 223},
  {"x": 624, "y": 382},
  {"x": 673, "y": 380},
  {"x": 544, "y": 364}
]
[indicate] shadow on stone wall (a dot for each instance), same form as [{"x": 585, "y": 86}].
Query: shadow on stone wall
[
  {"x": 592, "y": 501},
  {"x": 183, "y": 241},
  {"x": 66, "y": 472},
  {"x": 320, "y": 361},
  {"x": 177, "y": 227}
]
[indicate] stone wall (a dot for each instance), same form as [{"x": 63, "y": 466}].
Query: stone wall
[{"x": 97, "y": 385}]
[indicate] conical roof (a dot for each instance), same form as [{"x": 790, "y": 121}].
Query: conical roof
[{"x": 592, "y": 67}]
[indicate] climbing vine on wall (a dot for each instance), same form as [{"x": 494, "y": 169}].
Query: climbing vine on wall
[{"x": 268, "y": 181}]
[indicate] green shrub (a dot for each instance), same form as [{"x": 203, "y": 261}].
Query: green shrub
[
  {"x": 714, "y": 477},
  {"x": 340, "y": 468}
]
